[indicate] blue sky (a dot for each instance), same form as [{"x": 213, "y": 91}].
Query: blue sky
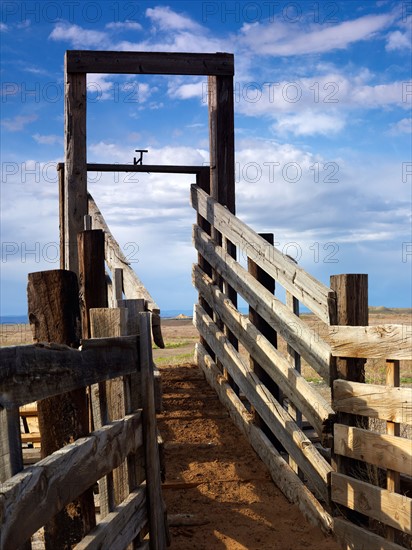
[{"x": 323, "y": 96}]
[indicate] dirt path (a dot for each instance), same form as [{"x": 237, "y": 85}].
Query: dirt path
[{"x": 215, "y": 478}]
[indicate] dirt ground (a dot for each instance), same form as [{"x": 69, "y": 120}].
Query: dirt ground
[{"x": 215, "y": 483}]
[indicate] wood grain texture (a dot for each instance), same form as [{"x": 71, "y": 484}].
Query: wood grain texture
[
  {"x": 390, "y": 508},
  {"x": 373, "y": 400},
  {"x": 353, "y": 537},
  {"x": 316, "y": 296},
  {"x": 115, "y": 62},
  {"x": 287, "y": 481},
  {"x": 31, "y": 373},
  {"x": 32, "y": 497},
  {"x": 274, "y": 415},
  {"x": 372, "y": 342},
  {"x": 11, "y": 458},
  {"x": 293, "y": 385},
  {"x": 383, "y": 450},
  {"x": 295, "y": 331},
  {"x": 119, "y": 527}
]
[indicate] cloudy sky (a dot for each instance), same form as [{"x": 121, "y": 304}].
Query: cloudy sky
[{"x": 323, "y": 98}]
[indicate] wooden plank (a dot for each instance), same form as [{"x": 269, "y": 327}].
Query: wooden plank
[
  {"x": 92, "y": 276},
  {"x": 353, "y": 537},
  {"x": 375, "y": 401},
  {"x": 32, "y": 497},
  {"x": 75, "y": 173},
  {"x": 31, "y": 373},
  {"x": 315, "y": 408},
  {"x": 278, "y": 420},
  {"x": 119, "y": 527},
  {"x": 295, "y": 331},
  {"x": 316, "y": 296},
  {"x": 287, "y": 481},
  {"x": 380, "y": 504},
  {"x": 383, "y": 450},
  {"x": 108, "y": 322},
  {"x": 117, "y": 285},
  {"x": 149, "y": 168},
  {"x": 115, "y": 62},
  {"x": 32, "y": 437},
  {"x": 372, "y": 342},
  {"x": 60, "y": 175},
  {"x": 11, "y": 458},
  {"x": 157, "y": 526}
]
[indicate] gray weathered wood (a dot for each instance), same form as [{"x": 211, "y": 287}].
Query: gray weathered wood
[
  {"x": 118, "y": 62},
  {"x": 31, "y": 373},
  {"x": 75, "y": 173},
  {"x": 380, "y": 504},
  {"x": 316, "y": 296},
  {"x": 274, "y": 415},
  {"x": 372, "y": 342},
  {"x": 11, "y": 458},
  {"x": 157, "y": 525},
  {"x": 119, "y": 527},
  {"x": 308, "y": 400},
  {"x": 353, "y": 537},
  {"x": 287, "y": 481},
  {"x": 383, "y": 450},
  {"x": 295, "y": 331},
  {"x": 373, "y": 400},
  {"x": 32, "y": 497}
]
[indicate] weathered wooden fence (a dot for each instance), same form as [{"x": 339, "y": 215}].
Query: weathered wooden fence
[
  {"x": 31, "y": 497},
  {"x": 265, "y": 393}
]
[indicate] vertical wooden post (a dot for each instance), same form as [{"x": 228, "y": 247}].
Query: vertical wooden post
[
  {"x": 92, "y": 276},
  {"x": 352, "y": 310},
  {"x": 54, "y": 315},
  {"x": 75, "y": 169},
  {"x": 60, "y": 175},
  {"x": 393, "y": 478},
  {"x": 268, "y": 332}
]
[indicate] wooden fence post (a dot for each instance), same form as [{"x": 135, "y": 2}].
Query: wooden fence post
[
  {"x": 352, "y": 310},
  {"x": 54, "y": 314}
]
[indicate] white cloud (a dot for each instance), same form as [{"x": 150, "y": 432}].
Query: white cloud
[
  {"x": 403, "y": 126},
  {"x": 17, "y": 123},
  {"x": 124, "y": 25},
  {"x": 79, "y": 37},
  {"x": 3, "y": 27},
  {"x": 310, "y": 123},
  {"x": 167, "y": 19},
  {"x": 280, "y": 39},
  {"x": 398, "y": 41},
  {"x": 50, "y": 139}
]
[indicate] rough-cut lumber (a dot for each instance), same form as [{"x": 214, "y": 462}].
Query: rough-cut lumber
[
  {"x": 353, "y": 537},
  {"x": 274, "y": 415},
  {"x": 316, "y": 296},
  {"x": 372, "y": 342},
  {"x": 54, "y": 313},
  {"x": 31, "y": 373},
  {"x": 108, "y": 322},
  {"x": 295, "y": 331},
  {"x": 307, "y": 399},
  {"x": 115, "y": 62},
  {"x": 383, "y": 450},
  {"x": 29, "y": 499},
  {"x": 373, "y": 400},
  {"x": 380, "y": 504},
  {"x": 287, "y": 481},
  {"x": 119, "y": 527},
  {"x": 132, "y": 285},
  {"x": 150, "y": 168},
  {"x": 75, "y": 173},
  {"x": 11, "y": 458},
  {"x": 92, "y": 278},
  {"x": 157, "y": 525}
]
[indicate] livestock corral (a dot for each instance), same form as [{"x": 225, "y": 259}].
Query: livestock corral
[{"x": 343, "y": 457}]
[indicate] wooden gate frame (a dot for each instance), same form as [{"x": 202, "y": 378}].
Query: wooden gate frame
[{"x": 219, "y": 68}]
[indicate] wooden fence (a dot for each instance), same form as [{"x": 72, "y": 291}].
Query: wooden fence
[
  {"x": 294, "y": 430},
  {"x": 31, "y": 497}
]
